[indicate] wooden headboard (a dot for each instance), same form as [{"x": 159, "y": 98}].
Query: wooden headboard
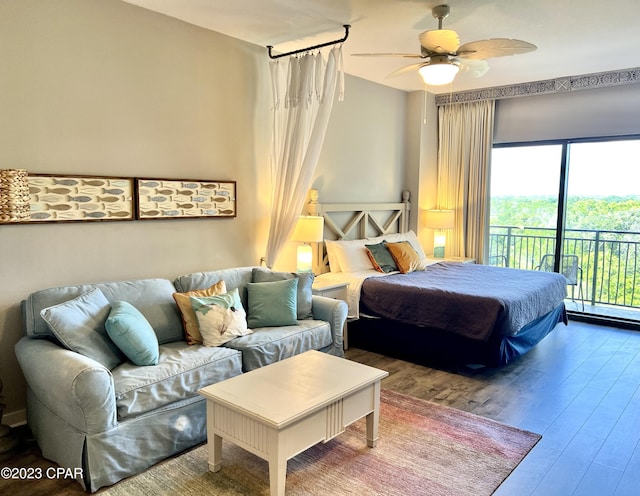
[{"x": 358, "y": 220}]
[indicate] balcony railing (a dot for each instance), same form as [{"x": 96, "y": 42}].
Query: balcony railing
[{"x": 610, "y": 260}]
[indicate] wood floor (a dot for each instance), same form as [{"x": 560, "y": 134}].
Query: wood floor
[{"x": 579, "y": 388}]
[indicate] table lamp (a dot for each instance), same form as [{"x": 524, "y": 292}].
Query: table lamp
[
  {"x": 439, "y": 220},
  {"x": 309, "y": 229}
]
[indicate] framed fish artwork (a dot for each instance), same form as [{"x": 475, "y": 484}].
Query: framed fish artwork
[
  {"x": 184, "y": 198},
  {"x": 80, "y": 198}
]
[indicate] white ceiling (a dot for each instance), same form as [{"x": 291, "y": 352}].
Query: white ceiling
[{"x": 573, "y": 37}]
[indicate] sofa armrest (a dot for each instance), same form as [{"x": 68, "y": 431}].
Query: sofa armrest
[
  {"x": 76, "y": 388},
  {"x": 335, "y": 313}
]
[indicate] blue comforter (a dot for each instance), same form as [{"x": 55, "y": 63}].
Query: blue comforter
[{"x": 467, "y": 299}]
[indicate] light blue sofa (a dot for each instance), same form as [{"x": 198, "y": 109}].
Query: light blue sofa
[{"x": 116, "y": 423}]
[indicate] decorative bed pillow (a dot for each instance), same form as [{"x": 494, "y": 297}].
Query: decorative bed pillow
[
  {"x": 406, "y": 258},
  {"x": 381, "y": 258},
  {"x": 304, "y": 294},
  {"x": 132, "y": 334},
  {"x": 221, "y": 318},
  {"x": 409, "y": 236},
  {"x": 79, "y": 325},
  {"x": 272, "y": 304},
  {"x": 189, "y": 319}
]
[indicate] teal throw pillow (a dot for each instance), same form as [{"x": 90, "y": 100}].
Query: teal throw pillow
[
  {"x": 304, "y": 293},
  {"x": 220, "y": 318},
  {"x": 133, "y": 334},
  {"x": 381, "y": 258},
  {"x": 272, "y": 304},
  {"x": 79, "y": 326}
]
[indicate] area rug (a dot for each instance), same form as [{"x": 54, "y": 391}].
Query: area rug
[{"x": 424, "y": 449}]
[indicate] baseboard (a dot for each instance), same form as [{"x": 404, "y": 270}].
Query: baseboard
[{"x": 15, "y": 419}]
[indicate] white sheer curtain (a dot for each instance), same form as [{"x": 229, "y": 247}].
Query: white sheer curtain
[
  {"x": 301, "y": 109},
  {"x": 464, "y": 151}
]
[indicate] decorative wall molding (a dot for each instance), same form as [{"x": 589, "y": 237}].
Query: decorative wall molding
[{"x": 559, "y": 85}]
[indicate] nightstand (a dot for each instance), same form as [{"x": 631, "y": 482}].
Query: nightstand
[
  {"x": 330, "y": 289},
  {"x": 337, "y": 291}
]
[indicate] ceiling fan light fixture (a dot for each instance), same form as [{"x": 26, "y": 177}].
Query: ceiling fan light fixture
[{"x": 438, "y": 71}]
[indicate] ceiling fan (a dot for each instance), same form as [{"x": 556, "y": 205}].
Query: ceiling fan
[{"x": 443, "y": 56}]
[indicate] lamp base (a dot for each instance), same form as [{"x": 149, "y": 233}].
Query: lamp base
[
  {"x": 305, "y": 258},
  {"x": 438, "y": 252}
]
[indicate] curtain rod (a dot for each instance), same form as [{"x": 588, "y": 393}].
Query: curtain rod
[{"x": 321, "y": 45}]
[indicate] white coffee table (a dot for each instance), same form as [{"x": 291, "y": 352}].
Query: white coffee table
[{"x": 284, "y": 408}]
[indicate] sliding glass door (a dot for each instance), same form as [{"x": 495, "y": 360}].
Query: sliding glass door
[
  {"x": 603, "y": 223},
  {"x": 572, "y": 207},
  {"x": 525, "y": 181}
]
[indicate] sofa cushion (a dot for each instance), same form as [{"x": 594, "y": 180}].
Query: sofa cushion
[
  {"x": 220, "y": 317},
  {"x": 305, "y": 282},
  {"x": 270, "y": 344},
  {"x": 132, "y": 334},
  {"x": 153, "y": 297},
  {"x": 79, "y": 325},
  {"x": 189, "y": 320},
  {"x": 233, "y": 278},
  {"x": 272, "y": 303},
  {"x": 180, "y": 372}
]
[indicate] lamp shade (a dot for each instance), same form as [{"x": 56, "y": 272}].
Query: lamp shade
[
  {"x": 440, "y": 219},
  {"x": 309, "y": 229},
  {"x": 438, "y": 71}
]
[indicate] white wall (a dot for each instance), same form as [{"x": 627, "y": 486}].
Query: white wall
[
  {"x": 422, "y": 165},
  {"x": 367, "y": 135},
  {"x": 102, "y": 87}
]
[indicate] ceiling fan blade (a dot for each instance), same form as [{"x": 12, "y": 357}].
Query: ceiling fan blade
[
  {"x": 495, "y": 47},
  {"x": 477, "y": 68},
  {"x": 404, "y": 70},
  {"x": 406, "y": 55},
  {"x": 440, "y": 40}
]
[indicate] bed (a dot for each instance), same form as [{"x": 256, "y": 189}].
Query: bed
[{"x": 444, "y": 311}]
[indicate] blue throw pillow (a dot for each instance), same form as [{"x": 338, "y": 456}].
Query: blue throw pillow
[
  {"x": 305, "y": 282},
  {"x": 133, "y": 334},
  {"x": 79, "y": 326},
  {"x": 272, "y": 304}
]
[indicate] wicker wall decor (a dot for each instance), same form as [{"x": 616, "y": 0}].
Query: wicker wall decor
[{"x": 14, "y": 195}]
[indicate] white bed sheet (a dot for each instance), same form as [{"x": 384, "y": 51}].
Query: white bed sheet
[{"x": 355, "y": 281}]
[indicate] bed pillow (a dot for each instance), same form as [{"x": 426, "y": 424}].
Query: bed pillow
[
  {"x": 409, "y": 236},
  {"x": 352, "y": 255},
  {"x": 305, "y": 282},
  {"x": 381, "y": 258},
  {"x": 334, "y": 264},
  {"x": 189, "y": 319},
  {"x": 79, "y": 326},
  {"x": 406, "y": 258},
  {"x": 132, "y": 334},
  {"x": 221, "y": 318},
  {"x": 272, "y": 304}
]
